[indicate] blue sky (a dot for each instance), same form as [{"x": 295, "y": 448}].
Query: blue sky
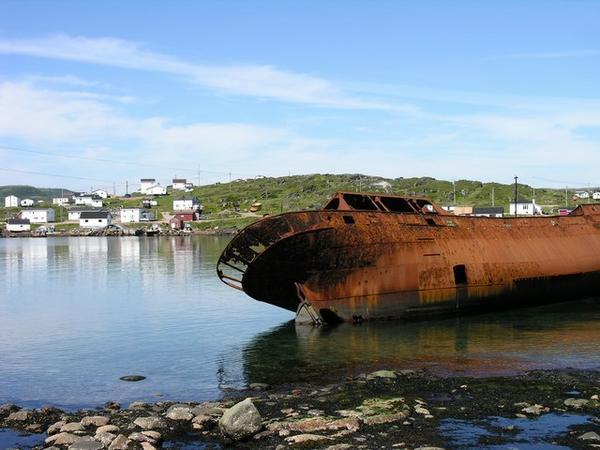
[{"x": 113, "y": 91}]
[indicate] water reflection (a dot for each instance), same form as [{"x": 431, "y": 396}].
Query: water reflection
[{"x": 556, "y": 336}]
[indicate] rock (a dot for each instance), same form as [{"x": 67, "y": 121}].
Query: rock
[
  {"x": 339, "y": 447},
  {"x": 62, "y": 439},
  {"x": 208, "y": 409},
  {"x": 107, "y": 429},
  {"x": 241, "y": 421},
  {"x": 302, "y": 439},
  {"x": 148, "y": 446},
  {"x": 384, "y": 418},
  {"x": 132, "y": 378},
  {"x": 7, "y": 409},
  {"x": 23, "y": 415},
  {"x": 55, "y": 427},
  {"x": 180, "y": 412},
  {"x": 201, "y": 421},
  {"x": 105, "y": 437},
  {"x": 140, "y": 437},
  {"x": 34, "y": 428},
  {"x": 112, "y": 406},
  {"x": 138, "y": 405},
  {"x": 315, "y": 412},
  {"x": 72, "y": 427},
  {"x": 535, "y": 410},
  {"x": 576, "y": 402},
  {"x": 154, "y": 435},
  {"x": 259, "y": 386},
  {"x": 120, "y": 443},
  {"x": 313, "y": 424},
  {"x": 94, "y": 421},
  {"x": 382, "y": 374},
  {"x": 86, "y": 443},
  {"x": 150, "y": 423},
  {"x": 426, "y": 447},
  {"x": 422, "y": 411},
  {"x": 589, "y": 436},
  {"x": 595, "y": 397}
]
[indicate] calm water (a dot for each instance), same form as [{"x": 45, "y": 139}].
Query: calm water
[{"x": 78, "y": 313}]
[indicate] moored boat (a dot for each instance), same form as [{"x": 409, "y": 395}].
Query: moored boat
[{"x": 376, "y": 256}]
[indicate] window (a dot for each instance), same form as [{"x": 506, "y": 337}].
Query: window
[
  {"x": 349, "y": 220},
  {"x": 460, "y": 274}
]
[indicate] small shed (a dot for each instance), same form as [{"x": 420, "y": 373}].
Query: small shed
[{"x": 17, "y": 225}]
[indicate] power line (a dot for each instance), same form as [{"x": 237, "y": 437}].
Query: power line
[{"x": 54, "y": 175}]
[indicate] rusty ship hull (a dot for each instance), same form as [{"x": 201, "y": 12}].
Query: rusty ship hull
[{"x": 344, "y": 263}]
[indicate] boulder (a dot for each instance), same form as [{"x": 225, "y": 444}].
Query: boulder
[
  {"x": 23, "y": 415},
  {"x": 107, "y": 429},
  {"x": 180, "y": 412},
  {"x": 94, "y": 421},
  {"x": 62, "y": 439},
  {"x": 7, "y": 409},
  {"x": 208, "y": 409},
  {"x": 382, "y": 375},
  {"x": 120, "y": 443},
  {"x": 150, "y": 423},
  {"x": 105, "y": 438},
  {"x": 55, "y": 427},
  {"x": 576, "y": 402},
  {"x": 86, "y": 443},
  {"x": 241, "y": 421},
  {"x": 71, "y": 427},
  {"x": 305, "y": 439},
  {"x": 590, "y": 436}
]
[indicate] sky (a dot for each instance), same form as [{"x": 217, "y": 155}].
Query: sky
[{"x": 96, "y": 94}]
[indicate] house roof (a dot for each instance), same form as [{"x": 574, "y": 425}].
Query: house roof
[
  {"x": 17, "y": 221},
  {"x": 83, "y": 208},
  {"x": 94, "y": 215},
  {"x": 179, "y": 180},
  {"x": 488, "y": 210},
  {"x": 148, "y": 179},
  {"x": 194, "y": 199}
]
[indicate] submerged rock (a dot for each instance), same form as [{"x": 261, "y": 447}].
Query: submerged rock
[
  {"x": 241, "y": 421},
  {"x": 132, "y": 378}
]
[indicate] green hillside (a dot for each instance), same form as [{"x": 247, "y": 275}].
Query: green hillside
[{"x": 25, "y": 191}]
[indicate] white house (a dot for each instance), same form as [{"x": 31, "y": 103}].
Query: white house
[
  {"x": 157, "y": 189},
  {"x": 60, "y": 201},
  {"x": 488, "y": 211},
  {"x": 581, "y": 194},
  {"x": 146, "y": 183},
  {"x": 38, "y": 215},
  {"x": 100, "y": 193},
  {"x": 95, "y": 219},
  {"x": 74, "y": 213},
  {"x": 89, "y": 200},
  {"x": 129, "y": 215},
  {"x": 17, "y": 225},
  {"x": 179, "y": 184},
  {"x": 596, "y": 195},
  {"x": 525, "y": 208},
  {"x": 186, "y": 204},
  {"x": 12, "y": 201},
  {"x": 26, "y": 202}
]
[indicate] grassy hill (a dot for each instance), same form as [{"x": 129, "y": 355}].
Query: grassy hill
[
  {"x": 25, "y": 191},
  {"x": 225, "y": 204}
]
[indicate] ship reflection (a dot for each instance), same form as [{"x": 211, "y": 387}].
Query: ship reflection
[{"x": 556, "y": 336}]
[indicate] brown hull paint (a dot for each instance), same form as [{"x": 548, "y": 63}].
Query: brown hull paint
[{"x": 365, "y": 265}]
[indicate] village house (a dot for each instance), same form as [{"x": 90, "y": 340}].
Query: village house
[
  {"x": 596, "y": 195},
  {"x": 100, "y": 193},
  {"x": 525, "y": 208},
  {"x": 61, "y": 201},
  {"x": 488, "y": 211},
  {"x": 11, "y": 201},
  {"x": 146, "y": 183},
  {"x": 74, "y": 213},
  {"x": 157, "y": 189},
  {"x": 27, "y": 202},
  {"x": 176, "y": 223},
  {"x": 186, "y": 216},
  {"x": 186, "y": 203},
  {"x": 134, "y": 215},
  {"x": 92, "y": 200},
  {"x": 17, "y": 225},
  {"x": 581, "y": 195},
  {"x": 38, "y": 215},
  {"x": 95, "y": 219},
  {"x": 463, "y": 210},
  {"x": 178, "y": 184}
]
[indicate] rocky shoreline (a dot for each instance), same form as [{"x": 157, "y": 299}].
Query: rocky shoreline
[{"x": 384, "y": 409}]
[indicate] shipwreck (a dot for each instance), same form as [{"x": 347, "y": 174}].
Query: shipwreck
[{"x": 375, "y": 257}]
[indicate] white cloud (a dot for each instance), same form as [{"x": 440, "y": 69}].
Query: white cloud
[{"x": 253, "y": 80}]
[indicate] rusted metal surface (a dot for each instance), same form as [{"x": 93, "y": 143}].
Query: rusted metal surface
[{"x": 399, "y": 257}]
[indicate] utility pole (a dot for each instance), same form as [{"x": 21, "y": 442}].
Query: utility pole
[
  {"x": 114, "y": 189},
  {"x": 566, "y": 196},
  {"x": 126, "y": 187},
  {"x": 454, "y": 188},
  {"x": 493, "y": 197},
  {"x": 516, "y": 195}
]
